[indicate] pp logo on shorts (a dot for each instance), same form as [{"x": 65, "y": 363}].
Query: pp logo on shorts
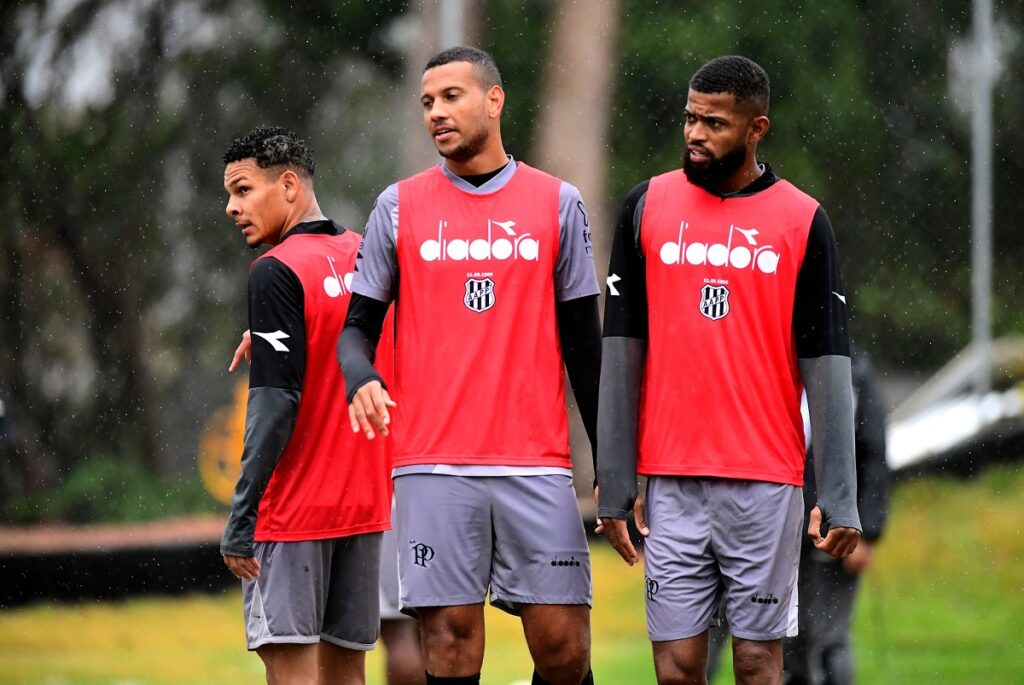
[
  {"x": 422, "y": 554},
  {"x": 652, "y": 587}
]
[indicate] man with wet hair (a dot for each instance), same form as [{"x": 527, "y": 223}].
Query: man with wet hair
[
  {"x": 489, "y": 262},
  {"x": 304, "y": 531},
  {"x": 724, "y": 302}
]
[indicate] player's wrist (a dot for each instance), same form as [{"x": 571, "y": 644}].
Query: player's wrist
[{"x": 612, "y": 513}]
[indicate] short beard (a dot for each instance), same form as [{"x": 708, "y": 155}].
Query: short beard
[
  {"x": 717, "y": 170},
  {"x": 469, "y": 149}
]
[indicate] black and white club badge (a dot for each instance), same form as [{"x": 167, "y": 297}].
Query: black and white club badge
[
  {"x": 479, "y": 294},
  {"x": 714, "y": 301}
]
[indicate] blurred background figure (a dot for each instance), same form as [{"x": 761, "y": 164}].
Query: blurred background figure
[
  {"x": 822, "y": 654},
  {"x": 400, "y": 633}
]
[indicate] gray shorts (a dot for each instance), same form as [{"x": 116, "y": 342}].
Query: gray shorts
[
  {"x": 717, "y": 539},
  {"x": 315, "y": 590},
  {"x": 521, "y": 537}
]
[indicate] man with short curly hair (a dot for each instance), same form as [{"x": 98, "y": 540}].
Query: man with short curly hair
[{"x": 304, "y": 532}]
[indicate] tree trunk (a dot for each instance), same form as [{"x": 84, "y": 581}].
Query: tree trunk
[
  {"x": 425, "y": 16},
  {"x": 573, "y": 137},
  {"x": 572, "y": 141}
]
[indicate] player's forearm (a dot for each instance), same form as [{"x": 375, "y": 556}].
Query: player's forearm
[
  {"x": 617, "y": 418},
  {"x": 357, "y": 344},
  {"x": 579, "y": 327},
  {"x": 269, "y": 421},
  {"x": 830, "y": 401}
]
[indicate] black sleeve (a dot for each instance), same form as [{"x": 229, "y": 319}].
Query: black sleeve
[
  {"x": 269, "y": 420},
  {"x": 579, "y": 327},
  {"x": 622, "y": 362},
  {"x": 357, "y": 344},
  {"x": 869, "y": 447},
  {"x": 278, "y": 330},
  {"x": 277, "y": 325},
  {"x": 823, "y": 351},
  {"x": 625, "y": 307},
  {"x": 819, "y": 308}
]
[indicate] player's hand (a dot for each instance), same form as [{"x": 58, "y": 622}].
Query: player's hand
[
  {"x": 243, "y": 568},
  {"x": 244, "y": 349},
  {"x": 860, "y": 558},
  {"x": 369, "y": 409},
  {"x": 839, "y": 542},
  {"x": 618, "y": 534},
  {"x": 639, "y": 518}
]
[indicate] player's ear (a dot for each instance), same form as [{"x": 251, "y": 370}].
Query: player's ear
[
  {"x": 290, "y": 181},
  {"x": 759, "y": 126},
  {"x": 495, "y": 101}
]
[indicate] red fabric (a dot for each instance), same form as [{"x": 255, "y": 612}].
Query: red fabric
[
  {"x": 479, "y": 366},
  {"x": 330, "y": 482},
  {"x": 722, "y": 387}
]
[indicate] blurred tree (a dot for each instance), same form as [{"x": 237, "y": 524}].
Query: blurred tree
[
  {"x": 118, "y": 304},
  {"x": 581, "y": 50},
  {"x": 862, "y": 119},
  {"x": 121, "y": 283}
]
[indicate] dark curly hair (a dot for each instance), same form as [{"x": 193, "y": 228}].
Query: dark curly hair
[
  {"x": 273, "y": 147},
  {"x": 486, "y": 68},
  {"x": 741, "y": 77}
]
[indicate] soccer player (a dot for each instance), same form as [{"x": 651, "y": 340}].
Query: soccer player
[
  {"x": 821, "y": 654},
  {"x": 307, "y": 554},
  {"x": 400, "y": 633},
  {"x": 489, "y": 262},
  {"x": 724, "y": 302}
]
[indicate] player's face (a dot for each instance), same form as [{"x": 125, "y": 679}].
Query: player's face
[
  {"x": 256, "y": 202},
  {"x": 456, "y": 110},
  {"x": 717, "y": 133}
]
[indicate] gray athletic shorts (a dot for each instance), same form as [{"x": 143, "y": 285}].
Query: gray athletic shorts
[
  {"x": 718, "y": 539},
  {"x": 520, "y": 536},
  {"x": 315, "y": 590}
]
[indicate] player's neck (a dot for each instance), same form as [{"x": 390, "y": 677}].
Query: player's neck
[
  {"x": 492, "y": 157},
  {"x": 744, "y": 176},
  {"x": 308, "y": 211}
]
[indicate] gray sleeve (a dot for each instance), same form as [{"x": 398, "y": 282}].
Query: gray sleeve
[
  {"x": 376, "y": 273},
  {"x": 269, "y": 421},
  {"x": 618, "y": 406},
  {"x": 829, "y": 386},
  {"x": 574, "y": 270}
]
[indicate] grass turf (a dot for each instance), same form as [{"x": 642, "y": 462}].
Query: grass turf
[{"x": 943, "y": 603}]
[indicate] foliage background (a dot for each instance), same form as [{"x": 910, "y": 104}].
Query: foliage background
[{"x": 122, "y": 283}]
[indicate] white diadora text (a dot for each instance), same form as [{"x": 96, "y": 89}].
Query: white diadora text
[
  {"x": 335, "y": 285},
  {"x": 743, "y": 256},
  {"x": 508, "y": 245}
]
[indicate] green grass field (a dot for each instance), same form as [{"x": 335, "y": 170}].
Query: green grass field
[{"x": 944, "y": 603}]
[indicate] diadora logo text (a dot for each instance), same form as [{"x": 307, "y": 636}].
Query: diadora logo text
[
  {"x": 508, "y": 245},
  {"x": 571, "y": 561},
  {"x": 335, "y": 285},
  {"x": 767, "y": 599},
  {"x": 751, "y": 256}
]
